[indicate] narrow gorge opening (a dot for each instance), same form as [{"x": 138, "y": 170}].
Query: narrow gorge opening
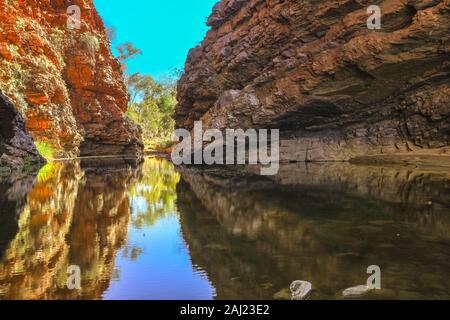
[{"x": 138, "y": 138}]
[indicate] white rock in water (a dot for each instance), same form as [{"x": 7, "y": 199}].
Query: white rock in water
[
  {"x": 356, "y": 291},
  {"x": 300, "y": 289}
]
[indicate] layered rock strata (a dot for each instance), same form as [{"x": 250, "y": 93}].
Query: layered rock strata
[
  {"x": 65, "y": 80},
  {"x": 336, "y": 89}
]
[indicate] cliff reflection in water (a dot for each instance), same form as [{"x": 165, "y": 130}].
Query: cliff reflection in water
[
  {"x": 71, "y": 217},
  {"x": 114, "y": 219},
  {"x": 324, "y": 223},
  {"x": 144, "y": 231}
]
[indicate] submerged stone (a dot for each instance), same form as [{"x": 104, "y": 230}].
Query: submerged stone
[
  {"x": 356, "y": 291},
  {"x": 17, "y": 150}
]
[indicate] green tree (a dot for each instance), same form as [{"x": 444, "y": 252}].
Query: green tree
[
  {"x": 127, "y": 51},
  {"x": 152, "y": 105}
]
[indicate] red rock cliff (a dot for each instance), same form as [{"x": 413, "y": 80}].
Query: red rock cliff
[
  {"x": 65, "y": 81},
  {"x": 312, "y": 68}
]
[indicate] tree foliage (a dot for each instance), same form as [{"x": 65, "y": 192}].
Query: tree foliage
[
  {"x": 127, "y": 51},
  {"x": 152, "y": 105}
]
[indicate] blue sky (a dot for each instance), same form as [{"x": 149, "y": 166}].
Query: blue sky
[{"x": 164, "y": 30}]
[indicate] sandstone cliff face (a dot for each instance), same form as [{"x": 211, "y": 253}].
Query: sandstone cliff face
[
  {"x": 313, "y": 69},
  {"x": 16, "y": 145},
  {"x": 65, "y": 82}
]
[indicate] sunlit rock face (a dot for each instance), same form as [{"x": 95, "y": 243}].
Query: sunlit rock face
[
  {"x": 321, "y": 224},
  {"x": 313, "y": 69},
  {"x": 16, "y": 145},
  {"x": 65, "y": 82},
  {"x": 72, "y": 216}
]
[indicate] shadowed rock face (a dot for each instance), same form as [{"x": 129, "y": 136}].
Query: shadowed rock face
[
  {"x": 15, "y": 142},
  {"x": 322, "y": 223},
  {"x": 65, "y": 82},
  {"x": 336, "y": 89}
]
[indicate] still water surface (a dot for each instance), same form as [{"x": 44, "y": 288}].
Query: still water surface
[{"x": 148, "y": 231}]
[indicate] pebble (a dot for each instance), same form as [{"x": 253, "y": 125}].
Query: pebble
[{"x": 300, "y": 289}]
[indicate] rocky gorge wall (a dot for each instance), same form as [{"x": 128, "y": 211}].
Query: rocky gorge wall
[
  {"x": 17, "y": 149},
  {"x": 316, "y": 221},
  {"x": 65, "y": 82},
  {"x": 313, "y": 69}
]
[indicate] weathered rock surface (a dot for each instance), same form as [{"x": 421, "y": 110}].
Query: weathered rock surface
[
  {"x": 16, "y": 145},
  {"x": 65, "y": 81},
  {"x": 313, "y": 69}
]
